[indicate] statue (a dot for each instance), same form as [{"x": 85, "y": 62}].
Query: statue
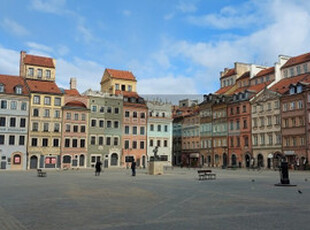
[{"x": 156, "y": 156}]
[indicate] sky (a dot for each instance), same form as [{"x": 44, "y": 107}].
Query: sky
[{"x": 171, "y": 46}]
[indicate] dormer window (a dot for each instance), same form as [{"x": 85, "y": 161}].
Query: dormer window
[
  {"x": 299, "y": 89},
  {"x": 30, "y": 72},
  {"x": 1, "y": 88},
  {"x": 48, "y": 74},
  {"x": 18, "y": 90},
  {"x": 292, "y": 90}
]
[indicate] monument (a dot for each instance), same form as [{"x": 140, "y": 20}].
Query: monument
[
  {"x": 284, "y": 176},
  {"x": 156, "y": 167}
]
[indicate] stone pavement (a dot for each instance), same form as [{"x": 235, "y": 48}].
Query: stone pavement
[{"x": 237, "y": 199}]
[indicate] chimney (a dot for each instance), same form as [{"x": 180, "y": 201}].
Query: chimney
[
  {"x": 72, "y": 83},
  {"x": 21, "y": 64}
]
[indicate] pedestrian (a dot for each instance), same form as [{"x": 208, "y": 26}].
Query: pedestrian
[
  {"x": 98, "y": 168},
  {"x": 133, "y": 167}
]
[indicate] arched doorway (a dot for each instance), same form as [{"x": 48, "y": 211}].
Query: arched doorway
[
  {"x": 260, "y": 161},
  {"x": 82, "y": 160},
  {"x": 233, "y": 160},
  {"x": 114, "y": 159},
  {"x": 33, "y": 162},
  {"x": 247, "y": 160},
  {"x": 224, "y": 160}
]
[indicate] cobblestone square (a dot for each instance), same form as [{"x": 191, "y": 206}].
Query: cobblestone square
[{"x": 237, "y": 199}]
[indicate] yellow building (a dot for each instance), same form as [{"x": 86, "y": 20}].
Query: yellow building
[
  {"x": 118, "y": 80},
  {"x": 45, "y": 111}
]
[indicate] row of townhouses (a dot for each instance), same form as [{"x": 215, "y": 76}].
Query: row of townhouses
[
  {"x": 259, "y": 117},
  {"x": 44, "y": 126}
]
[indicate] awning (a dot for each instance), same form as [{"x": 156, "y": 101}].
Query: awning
[{"x": 194, "y": 155}]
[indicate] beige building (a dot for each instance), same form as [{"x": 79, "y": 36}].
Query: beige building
[
  {"x": 266, "y": 128},
  {"x": 118, "y": 80}
]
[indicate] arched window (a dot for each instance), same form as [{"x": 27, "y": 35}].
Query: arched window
[
  {"x": 17, "y": 159},
  {"x": 66, "y": 159}
]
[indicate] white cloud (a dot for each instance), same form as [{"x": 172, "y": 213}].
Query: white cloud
[
  {"x": 126, "y": 13},
  {"x": 37, "y": 46},
  {"x": 85, "y": 33},
  {"x": 9, "y": 61},
  {"x": 13, "y": 27},
  {"x": 49, "y": 6},
  {"x": 186, "y": 6},
  {"x": 169, "y": 16}
]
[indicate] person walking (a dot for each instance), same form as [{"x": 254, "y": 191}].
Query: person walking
[
  {"x": 133, "y": 168},
  {"x": 98, "y": 168}
]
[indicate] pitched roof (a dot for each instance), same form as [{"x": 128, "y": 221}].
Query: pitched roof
[
  {"x": 43, "y": 87},
  {"x": 127, "y": 94},
  {"x": 121, "y": 74},
  {"x": 254, "y": 88},
  {"x": 230, "y": 72},
  {"x": 244, "y": 76},
  {"x": 76, "y": 104},
  {"x": 265, "y": 72},
  {"x": 39, "y": 61},
  {"x": 297, "y": 60},
  {"x": 283, "y": 85},
  {"x": 224, "y": 89},
  {"x": 10, "y": 82},
  {"x": 72, "y": 92}
]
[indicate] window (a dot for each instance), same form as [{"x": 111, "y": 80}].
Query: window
[
  {"x": 35, "y": 126},
  {"x": 100, "y": 141},
  {"x": 232, "y": 142},
  {"x": 116, "y": 110},
  {"x": 277, "y": 119},
  {"x": 158, "y": 143},
  {"x": 12, "y": 122},
  {"x": 270, "y": 139},
  {"x": 93, "y": 123},
  {"x": 44, "y": 142},
  {"x": 127, "y": 114},
  {"x": 255, "y": 139},
  {"x": 47, "y": 100},
  {"x": 83, "y": 117},
  {"x": 141, "y": 144},
  {"x": 238, "y": 110},
  {"x": 55, "y": 142},
  {"x": 244, "y": 109},
  {"x": 300, "y": 104},
  {"x": 101, "y": 123},
  {"x": 126, "y": 129},
  {"x": 142, "y": 115},
  {"x": 57, "y": 101},
  {"x": 245, "y": 124},
  {"x": 108, "y": 141},
  {"x": 35, "y": 112},
  {"x": 46, "y": 113},
  {"x": 22, "y": 123},
  {"x": 82, "y": 143},
  {"x": 151, "y": 143},
  {"x": 1, "y": 88},
  {"x": 276, "y": 104},
  {"x": 45, "y": 127},
  {"x": 75, "y": 128},
  {"x": 48, "y": 74},
  {"x": 83, "y": 128},
  {"x": 142, "y": 130},
  {"x": 246, "y": 141},
  {"x": 231, "y": 125},
  {"x": 262, "y": 122},
  {"x": 76, "y": 116},
  {"x": 159, "y": 128},
  {"x": 115, "y": 141},
  {"x": 116, "y": 86},
  {"x": 116, "y": 124},
  {"x": 30, "y": 72},
  {"x": 293, "y": 122},
  {"x": 134, "y": 130},
  {"x": 134, "y": 144},
  {"x": 262, "y": 139},
  {"x": 67, "y": 142},
  {"x": 305, "y": 67},
  {"x": 94, "y": 108},
  {"x": 238, "y": 125},
  {"x": 109, "y": 110},
  {"x": 294, "y": 141},
  {"x": 68, "y": 127},
  {"x": 2, "y": 121},
  {"x": 291, "y": 72},
  {"x": 292, "y": 90},
  {"x": 101, "y": 110},
  {"x": 165, "y": 143},
  {"x": 269, "y": 106},
  {"x": 126, "y": 144},
  {"x": 24, "y": 106},
  {"x": 269, "y": 122},
  {"x": 39, "y": 73},
  {"x": 293, "y": 105},
  {"x": 166, "y": 128},
  {"x": 57, "y": 114},
  {"x": 285, "y": 107},
  {"x": 109, "y": 124},
  {"x": 74, "y": 143},
  {"x": 11, "y": 140},
  {"x": 134, "y": 115},
  {"x": 152, "y": 127},
  {"x": 13, "y": 105},
  {"x": 301, "y": 121},
  {"x": 34, "y": 142},
  {"x": 123, "y": 87},
  {"x": 238, "y": 141},
  {"x": 2, "y": 139},
  {"x": 129, "y": 88},
  {"x": 36, "y": 100},
  {"x": 298, "y": 70},
  {"x": 4, "y": 104}
]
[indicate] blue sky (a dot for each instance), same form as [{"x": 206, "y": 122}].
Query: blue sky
[{"x": 171, "y": 46}]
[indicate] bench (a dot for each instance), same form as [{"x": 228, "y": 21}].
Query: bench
[
  {"x": 41, "y": 173},
  {"x": 206, "y": 175}
]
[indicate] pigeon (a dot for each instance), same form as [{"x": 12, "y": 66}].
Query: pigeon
[
  {"x": 306, "y": 179},
  {"x": 300, "y": 192},
  {"x": 253, "y": 180}
]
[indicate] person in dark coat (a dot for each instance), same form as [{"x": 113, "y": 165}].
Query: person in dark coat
[
  {"x": 98, "y": 168},
  {"x": 133, "y": 168}
]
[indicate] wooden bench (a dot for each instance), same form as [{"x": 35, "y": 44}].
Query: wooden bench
[
  {"x": 206, "y": 174},
  {"x": 41, "y": 173}
]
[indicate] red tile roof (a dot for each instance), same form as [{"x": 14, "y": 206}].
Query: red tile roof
[
  {"x": 10, "y": 82},
  {"x": 76, "y": 104},
  {"x": 121, "y": 74},
  {"x": 39, "y": 61},
  {"x": 127, "y": 94},
  {"x": 230, "y": 72},
  {"x": 265, "y": 72},
  {"x": 297, "y": 60},
  {"x": 43, "y": 87},
  {"x": 283, "y": 85},
  {"x": 72, "y": 92},
  {"x": 254, "y": 88},
  {"x": 224, "y": 89},
  {"x": 244, "y": 76}
]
